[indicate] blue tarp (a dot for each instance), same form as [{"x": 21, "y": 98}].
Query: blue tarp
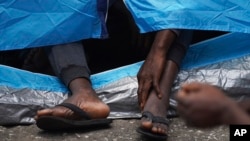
[
  {"x": 23, "y": 93},
  {"x": 37, "y": 23},
  {"x": 223, "y": 15},
  {"x": 223, "y": 48},
  {"x": 34, "y": 23}
]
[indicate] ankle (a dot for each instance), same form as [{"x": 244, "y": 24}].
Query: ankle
[{"x": 80, "y": 84}]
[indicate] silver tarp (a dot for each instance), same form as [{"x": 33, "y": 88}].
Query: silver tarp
[{"x": 18, "y": 106}]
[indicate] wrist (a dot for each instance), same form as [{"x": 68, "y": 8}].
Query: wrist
[{"x": 163, "y": 40}]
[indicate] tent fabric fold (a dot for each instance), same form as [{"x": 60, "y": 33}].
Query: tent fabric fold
[
  {"x": 222, "y": 15},
  {"x": 35, "y": 23}
]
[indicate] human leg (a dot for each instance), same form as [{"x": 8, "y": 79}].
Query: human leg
[
  {"x": 158, "y": 107},
  {"x": 70, "y": 65}
]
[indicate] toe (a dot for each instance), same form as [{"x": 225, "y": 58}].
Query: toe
[
  {"x": 159, "y": 128},
  {"x": 56, "y": 111},
  {"x": 146, "y": 124},
  {"x": 154, "y": 129},
  {"x": 44, "y": 112}
]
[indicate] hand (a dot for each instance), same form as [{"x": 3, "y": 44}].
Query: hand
[
  {"x": 203, "y": 105},
  {"x": 150, "y": 73},
  {"x": 149, "y": 77}
]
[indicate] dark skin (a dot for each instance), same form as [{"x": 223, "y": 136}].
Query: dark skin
[
  {"x": 155, "y": 79},
  {"x": 83, "y": 96},
  {"x": 158, "y": 107},
  {"x": 151, "y": 71},
  {"x": 203, "y": 105},
  {"x": 245, "y": 105}
]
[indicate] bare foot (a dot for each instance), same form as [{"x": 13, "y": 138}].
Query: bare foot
[
  {"x": 158, "y": 108},
  {"x": 84, "y": 97}
]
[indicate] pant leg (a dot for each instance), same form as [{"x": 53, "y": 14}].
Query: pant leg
[
  {"x": 68, "y": 61},
  {"x": 179, "y": 48}
]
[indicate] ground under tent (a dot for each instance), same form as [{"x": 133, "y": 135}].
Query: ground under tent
[{"x": 222, "y": 61}]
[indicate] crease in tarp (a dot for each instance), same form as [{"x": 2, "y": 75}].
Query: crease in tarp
[
  {"x": 222, "y": 15},
  {"x": 22, "y": 93},
  {"x": 38, "y": 23}
]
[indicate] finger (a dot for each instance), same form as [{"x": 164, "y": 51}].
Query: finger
[
  {"x": 183, "y": 98},
  {"x": 145, "y": 93},
  {"x": 191, "y": 87},
  {"x": 157, "y": 88},
  {"x": 139, "y": 92},
  {"x": 184, "y": 87},
  {"x": 140, "y": 87},
  {"x": 180, "y": 96}
]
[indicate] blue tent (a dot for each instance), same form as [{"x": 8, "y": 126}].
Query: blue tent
[
  {"x": 223, "y": 15},
  {"x": 23, "y": 92},
  {"x": 40, "y": 23},
  {"x": 37, "y": 23}
]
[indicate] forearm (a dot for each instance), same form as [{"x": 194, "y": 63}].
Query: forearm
[{"x": 163, "y": 41}]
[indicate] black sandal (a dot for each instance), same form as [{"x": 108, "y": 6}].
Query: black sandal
[
  {"x": 154, "y": 119},
  {"x": 53, "y": 123}
]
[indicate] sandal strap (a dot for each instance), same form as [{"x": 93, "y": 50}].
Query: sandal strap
[
  {"x": 76, "y": 110},
  {"x": 155, "y": 119}
]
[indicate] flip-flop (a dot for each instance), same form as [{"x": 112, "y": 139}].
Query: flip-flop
[
  {"x": 53, "y": 123},
  {"x": 154, "y": 119}
]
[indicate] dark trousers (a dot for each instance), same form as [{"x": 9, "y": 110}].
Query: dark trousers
[
  {"x": 69, "y": 61},
  {"x": 179, "y": 48}
]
